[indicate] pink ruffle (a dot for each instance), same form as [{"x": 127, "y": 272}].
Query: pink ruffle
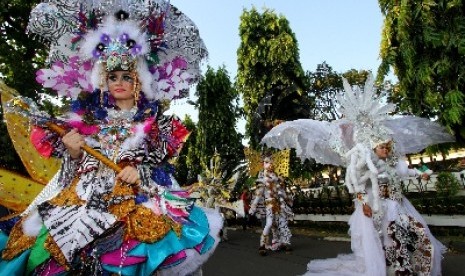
[
  {"x": 175, "y": 259},
  {"x": 119, "y": 256},
  {"x": 43, "y": 146},
  {"x": 84, "y": 128}
]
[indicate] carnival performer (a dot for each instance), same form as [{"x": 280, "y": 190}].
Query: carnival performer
[
  {"x": 125, "y": 57},
  {"x": 215, "y": 198},
  {"x": 267, "y": 190},
  {"x": 388, "y": 236},
  {"x": 245, "y": 197},
  {"x": 215, "y": 192}
]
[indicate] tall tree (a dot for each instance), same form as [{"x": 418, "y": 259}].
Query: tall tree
[
  {"x": 216, "y": 130},
  {"x": 268, "y": 61},
  {"x": 424, "y": 42},
  {"x": 325, "y": 84},
  {"x": 20, "y": 56}
]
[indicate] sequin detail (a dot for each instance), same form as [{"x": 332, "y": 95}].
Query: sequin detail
[
  {"x": 17, "y": 243},
  {"x": 55, "y": 251},
  {"x": 145, "y": 226},
  {"x": 68, "y": 196}
]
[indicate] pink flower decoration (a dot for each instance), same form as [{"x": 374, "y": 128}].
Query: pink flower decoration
[
  {"x": 148, "y": 124},
  {"x": 67, "y": 79},
  {"x": 171, "y": 78}
]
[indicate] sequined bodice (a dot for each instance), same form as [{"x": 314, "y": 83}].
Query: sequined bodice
[{"x": 118, "y": 128}]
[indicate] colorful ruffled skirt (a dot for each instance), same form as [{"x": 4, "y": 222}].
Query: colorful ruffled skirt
[{"x": 123, "y": 249}]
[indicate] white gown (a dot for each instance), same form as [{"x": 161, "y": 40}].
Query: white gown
[{"x": 369, "y": 258}]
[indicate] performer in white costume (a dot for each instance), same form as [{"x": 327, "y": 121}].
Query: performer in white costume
[{"x": 388, "y": 236}]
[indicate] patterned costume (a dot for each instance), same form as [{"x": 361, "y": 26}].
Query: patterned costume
[
  {"x": 285, "y": 214},
  {"x": 86, "y": 220},
  {"x": 270, "y": 193},
  {"x": 409, "y": 246},
  {"x": 388, "y": 236}
]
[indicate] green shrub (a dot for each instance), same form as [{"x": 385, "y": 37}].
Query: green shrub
[{"x": 447, "y": 184}]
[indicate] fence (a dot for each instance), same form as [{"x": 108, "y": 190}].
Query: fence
[{"x": 334, "y": 203}]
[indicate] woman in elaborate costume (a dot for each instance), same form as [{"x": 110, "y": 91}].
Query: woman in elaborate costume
[
  {"x": 270, "y": 192},
  {"x": 266, "y": 189},
  {"x": 125, "y": 57},
  {"x": 388, "y": 236}
]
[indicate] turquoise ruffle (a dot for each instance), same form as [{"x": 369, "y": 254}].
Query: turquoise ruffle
[{"x": 195, "y": 232}]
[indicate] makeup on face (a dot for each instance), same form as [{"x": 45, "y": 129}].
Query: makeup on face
[{"x": 120, "y": 76}]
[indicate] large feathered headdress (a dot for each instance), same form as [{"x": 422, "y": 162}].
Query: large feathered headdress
[
  {"x": 89, "y": 37},
  {"x": 366, "y": 111}
]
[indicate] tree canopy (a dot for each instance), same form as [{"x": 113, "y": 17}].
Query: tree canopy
[
  {"x": 20, "y": 57},
  {"x": 424, "y": 42},
  {"x": 268, "y": 59},
  {"x": 20, "y": 54},
  {"x": 216, "y": 130}
]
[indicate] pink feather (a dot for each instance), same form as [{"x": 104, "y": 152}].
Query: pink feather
[
  {"x": 84, "y": 128},
  {"x": 37, "y": 139}
]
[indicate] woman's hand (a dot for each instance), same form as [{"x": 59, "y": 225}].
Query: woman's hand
[
  {"x": 367, "y": 210},
  {"x": 129, "y": 175},
  {"x": 73, "y": 141}
]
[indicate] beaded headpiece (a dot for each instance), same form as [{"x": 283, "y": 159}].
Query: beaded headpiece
[{"x": 89, "y": 37}]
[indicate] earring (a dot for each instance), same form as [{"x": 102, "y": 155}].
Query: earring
[
  {"x": 136, "y": 89},
  {"x": 101, "y": 97},
  {"x": 103, "y": 77},
  {"x": 136, "y": 97}
]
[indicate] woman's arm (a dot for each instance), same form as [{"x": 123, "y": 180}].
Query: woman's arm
[{"x": 403, "y": 170}]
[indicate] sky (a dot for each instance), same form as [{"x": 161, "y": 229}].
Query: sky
[{"x": 346, "y": 34}]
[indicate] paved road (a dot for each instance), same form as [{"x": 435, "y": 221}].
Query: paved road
[{"x": 239, "y": 256}]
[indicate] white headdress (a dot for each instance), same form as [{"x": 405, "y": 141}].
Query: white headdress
[
  {"x": 89, "y": 37},
  {"x": 367, "y": 112}
]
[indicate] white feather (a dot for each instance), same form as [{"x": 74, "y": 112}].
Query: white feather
[
  {"x": 90, "y": 41},
  {"x": 375, "y": 191},
  {"x": 32, "y": 224},
  {"x": 135, "y": 140},
  {"x": 146, "y": 79},
  {"x": 96, "y": 77}
]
